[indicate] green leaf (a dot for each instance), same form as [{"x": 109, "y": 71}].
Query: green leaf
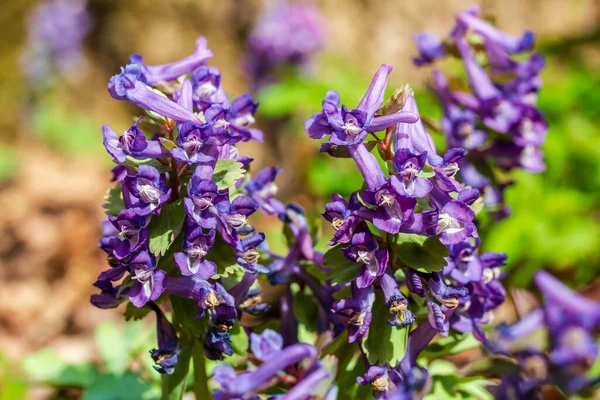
[
  {"x": 134, "y": 164},
  {"x": 223, "y": 256},
  {"x": 227, "y": 172},
  {"x": 343, "y": 270},
  {"x": 114, "y": 200},
  {"x": 420, "y": 253},
  {"x": 239, "y": 340},
  {"x": 384, "y": 343},
  {"x": 165, "y": 227},
  {"x": 167, "y": 144},
  {"x": 134, "y": 313},
  {"x": 476, "y": 387},
  {"x": 46, "y": 366},
  {"x": 427, "y": 172}
]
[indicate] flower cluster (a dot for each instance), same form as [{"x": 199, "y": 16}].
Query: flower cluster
[
  {"x": 55, "y": 32},
  {"x": 417, "y": 208},
  {"x": 495, "y": 117},
  {"x": 286, "y": 34},
  {"x": 178, "y": 182},
  {"x": 403, "y": 265}
]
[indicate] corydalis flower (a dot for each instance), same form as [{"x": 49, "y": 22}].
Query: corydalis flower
[
  {"x": 408, "y": 166},
  {"x": 196, "y": 246},
  {"x": 262, "y": 189},
  {"x": 351, "y": 127},
  {"x": 343, "y": 216},
  {"x": 357, "y": 311},
  {"x": 384, "y": 381},
  {"x": 145, "y": 192},
  {"x": 131, "y": 141},
  {"x": 364, "y": 250},
  {"x": 149, "y": 282},
  {"x": 167, "y": 353}
]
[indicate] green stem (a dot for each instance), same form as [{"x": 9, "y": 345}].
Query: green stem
[{"x": 201, "y": 389}]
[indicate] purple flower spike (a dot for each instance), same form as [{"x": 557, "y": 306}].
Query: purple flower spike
[
  {"x": 406, "y": 182},
  {"x": 149, "y": 283},
  {"x": 131, "y": 141},
  {"x": 364, "y": 250},
  {"x": 128, "y": 86},
  {"x": 455, "y": 223},
  {"x": 166, "y": 356},
  {"x": 152, "y": 74},
  {"x": 266, "y": 345},
  {"x": 147, "y": 191},
  {"x": 191, "y": 261},
  {"x": 430, "y": 48},
  {"x": 357, "y": 311}
]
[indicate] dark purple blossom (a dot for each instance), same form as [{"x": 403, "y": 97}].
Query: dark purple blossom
[
  {"x": 195, "y": 247},
  {"x": 343, "y": 216},
  {"x": 131, "y": 141},
  {"x": 364, "y": 250},
  {"x": 395, "y": 301},
  {"x": 384, "y": 381},
  {"x": 145, "y": 192},
  {"x": 357, "y": 311},
  {"x": 167, "y": 353},
  {"x": 262, "y": 189},
  {"x": 408, "y": 166},
  {"x": 149, "y": 282}
]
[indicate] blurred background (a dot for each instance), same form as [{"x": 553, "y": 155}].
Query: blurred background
[{"x": 54, "y": 171}]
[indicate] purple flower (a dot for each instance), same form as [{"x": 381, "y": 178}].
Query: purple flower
[
  {"x": 413, "y": 136},
  {"x": 149, "y": 282},
  {"x": 351, "y": 127},
  {"x": 131, "y": 141},
  {"x": 357, "y": 311},
  {"x": 455, "y": 223},
  {"x": 393, "y": 208},
  {"x": 130, "y": 234},
  {"x": 146, "y": 191},
  {"x": 152, "y": 74},
  {"x": 464, "y": 264},
  {"x": 207, "y": 89},
  {"x": 110, "y": 296},
  {"x": 246, "y": 384},
  {"x": 206, "y": 295},
  {"x": 430, "y": 48},
  {"x": 266, "y": 345},
  {"x": 235, "y": 120},
  {"x": 203, "y": 195},
  {"x": 195, "y": 247},
  {"x": 233, "y": 218},
  {"x": 509, "y": 43},
  {"x": 166, "y": 356},
  {"x": 263, "y": 189},
  {"x": 128, "y": 86},
  {"x": 406, "y": 182},
  {"x": 247, "y": 254},
  {"x": 395, "y": 302},
  {"x": 384, "y": 381},
  {"x": 343, "y": 216},
  {"x": 364, "y": 250}
]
